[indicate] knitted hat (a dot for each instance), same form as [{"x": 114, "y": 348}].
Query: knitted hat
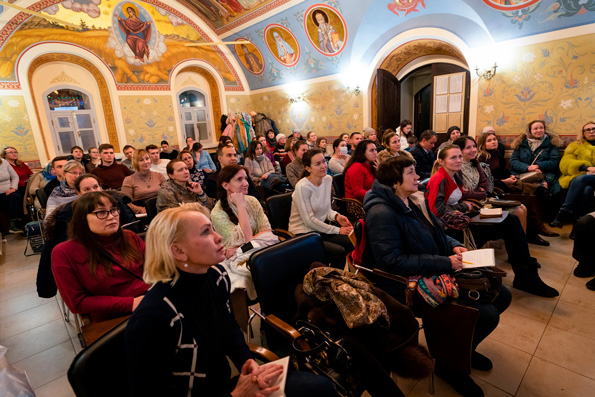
[
  {"x": 279, "y": 136},
  {"x": 488, "y": 128}
]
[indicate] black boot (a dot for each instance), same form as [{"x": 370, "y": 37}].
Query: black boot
[
  {"x": 537, "y": 240},
  {"x": 462, "y": 383},
  {"x": 527, "y": 279},
  {"x": 584, "y": 270},
  {"x": 591, "y": 284},
  {"x": 562, "y": 218},
  {"x": 544, "y": 231}
]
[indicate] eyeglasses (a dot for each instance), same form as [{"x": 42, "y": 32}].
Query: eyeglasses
[
  {"x": 11, "y": 152},
  {"x": 75, "y": 173},
  {"x": 102, "y": 214},
  {"x": 587, "y": 130}
]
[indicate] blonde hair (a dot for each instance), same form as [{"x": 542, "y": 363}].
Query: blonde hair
[
  {"x": 137, "y": 156},
  {"x": 581, "y": 136},
  {"x": 169, "y": 226},
  {"x": 442, "y": 156},
  {"x": 72, "y": 164}
]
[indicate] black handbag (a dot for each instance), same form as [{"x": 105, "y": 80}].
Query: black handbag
[
  {"x": 316, "y": 351},
  {"x": 481, "y": 284}
]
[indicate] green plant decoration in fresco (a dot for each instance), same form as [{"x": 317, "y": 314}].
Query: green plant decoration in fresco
[{"x": 16, "y": 128}]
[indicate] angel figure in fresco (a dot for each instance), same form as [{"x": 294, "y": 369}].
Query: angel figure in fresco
[
  {"x": 328, "y": 38},
  {"x": 138, "y": 33},
  {"x": 284, "y": 50},
  {"x": 252, "y": 62}
]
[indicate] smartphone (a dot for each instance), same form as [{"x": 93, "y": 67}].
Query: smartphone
[{"x": 247, "y": 247}]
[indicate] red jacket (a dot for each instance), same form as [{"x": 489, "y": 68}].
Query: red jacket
[
  {"x": 439, "y": 189},
  {"x": 23, "y": 172},
  {"x": 358, "y": 180},
  {"x": 105, "y": 294}
]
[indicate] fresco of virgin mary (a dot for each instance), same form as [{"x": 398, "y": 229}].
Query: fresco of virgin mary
[{"x": 138, "y": 33}]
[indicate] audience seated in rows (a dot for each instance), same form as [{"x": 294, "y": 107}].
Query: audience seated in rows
[
  {"x": 66, "y": 192},
  {"x": 340, "y": 157},
  {"x": 407, "y": 239},
  {"x": 360, "y": 169},
  {"x": 204, "y": 162},
  {"x": 354, "y": 139},
  {"x": 188, "y": 320},
  {"x": 144, "y": 184},
  {"x": 98, "y": 270},
  {"x": 445, "y": 195},
  {"x": 58, "y": 164},
  {"x": 178, "y": 189},
  {"x": 110, "y": 172},
  {"x": 279, "y": 151},
  {"x": 392, "y": 144},
  {"x": 311, "y": 208},
  {"x": 296, "y": 167},
  {"x": 267, "y": 150},
  {"x": 261, "y": 170},
  {"x": 167, "y": 152},
  {"x": 452, "y": 134},
  {"x": 196, "y": 175},
  {"x": 423, "y": 154},
  {"x": 157, "y": 164},
  {"x": 405, "y": 131},
  {"x": 128, "y": 151},
  {"x": 226, "y": 155}
]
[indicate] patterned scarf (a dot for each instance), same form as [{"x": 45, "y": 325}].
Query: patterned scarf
[
  {"x": 470, "y": 176},
  {"x": 534, "y": 143}
]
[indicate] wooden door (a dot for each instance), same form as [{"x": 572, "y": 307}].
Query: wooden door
[
  {"x": 452, "y": 84},
  {"x": 388, "y": 101}
]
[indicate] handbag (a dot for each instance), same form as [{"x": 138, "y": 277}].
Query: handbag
[
  {"x": 531, "y": 177},
  {"x": 318, "y": 352},
  {"x": 480, "y": 284},
  {"x": 455, "y": 220}
]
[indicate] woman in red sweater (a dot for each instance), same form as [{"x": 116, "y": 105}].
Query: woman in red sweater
[
  {"x": 99, "y": 270},
  {"x": 360, "y": 169}
]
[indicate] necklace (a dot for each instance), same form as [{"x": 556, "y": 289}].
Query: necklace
[{"x": 144, "y": 180}]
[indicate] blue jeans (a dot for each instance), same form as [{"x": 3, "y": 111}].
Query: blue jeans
[{"x": 580, "y": 193}]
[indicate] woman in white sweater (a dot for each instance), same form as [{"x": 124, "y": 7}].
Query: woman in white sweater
[
  {"x": 311, "y": 208},
  {"x": 261, "y": 169},
  {"x": 10, "y": 199}
]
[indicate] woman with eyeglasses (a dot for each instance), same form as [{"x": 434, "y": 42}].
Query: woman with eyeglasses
[
  {"x": 66, "y": 192},
  {"x": 178, "y": 188},
  {"x": 11, "y": 155},
  {"x": 578, "y": 176},
  {"x": 99, "y": 270}
]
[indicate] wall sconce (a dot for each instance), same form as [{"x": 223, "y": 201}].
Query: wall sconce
[
  {"x": 487, "y": 74},
  {"x": 297, "y": 98},
  {"x": 354, "y": 90}
]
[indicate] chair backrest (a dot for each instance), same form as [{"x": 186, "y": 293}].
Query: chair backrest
[
  {"x": 276, "y": 270},
  {"x": 339, "y": 185},
  {"x": 42, "y": 197},
  {"x": 279, "y": 210},
  {"x": 100, "y": 369},
  {"x": 151, "y": 205}
]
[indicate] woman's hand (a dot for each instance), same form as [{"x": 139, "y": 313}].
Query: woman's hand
[
  {"x": 591, "y": 170},
  {"x": 207, "y": 170},
  {"x": 376, "y": 163},
  {"x": 510, "y": 181},
  {"x": 254, "y": 381},
  {"x": 459, "y": 250},
  {"x": 533, "y": 167},
  {"x": 237, "y": 199},
  {"x": 195, "y": 188},
  {"x": 456, "y": 261},
  {"x": 10, "y": 191},
  {"x": 470, "y": 205},
  {"x": 342, "y": 220},
  {"x": 264, "y": 177},
  {"x": 142, "y": 210},
  {"x": 136, "y": 302},
  {"x": 346, "y": 230}
]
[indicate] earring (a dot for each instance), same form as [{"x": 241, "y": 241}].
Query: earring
[{"x": 185, "y": 265}]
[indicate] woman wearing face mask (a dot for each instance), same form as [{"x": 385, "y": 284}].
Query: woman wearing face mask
[
  {"x": 296, "y": 167},
  {"x": 405, "y": 131},
  {"x": 452, "y": 134},
  {"x": 360, "y": 169},
  {"x": 340, "y": 157},
  {"x": 98, "y": 270},
  {"x": 392, "y": 142},
  {"x": 311, "y": 207},
  {"x": 65, "y": 193},
  {"x": 260, "y": 168},
  {"x": 578, "y": 176},
  {"x": 143, "y": 184},
  {"x": 178, "y": 189},
  {"x": 445, "y": 193}
]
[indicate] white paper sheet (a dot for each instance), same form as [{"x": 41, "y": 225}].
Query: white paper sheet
[
  {"x": 456, "y": 83},
  {"x": 441, "y": 85},
  {"x": 441, "y": 104},
  {"x": 479, "y": 258},
  {"x": 455, "y": 103},
  {"x": 284, "y": 362}
]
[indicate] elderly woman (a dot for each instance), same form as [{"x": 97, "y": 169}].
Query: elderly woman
[
  {"x": 360, "y": 169},
  {"x": 237, "y": 216},
  {"x": 178, "y": 188},
  {"x": 538, "y": 150},
  {"x": 187, "y": 319},
  {"x": 98, "y": 270},
  {"x": 578, "y": 176},
  {"x": 445, "y": 194},
  {"x": 66, "y": 192},
  {"x": 392, "y": 143},
  {"x": 296, "y": 167},
  {"x": 144, "y": 184},
  {"x": 452, "y": 134},
  {"x": 407, "y": 239},
  {"x": 340, "y": 157},
  {"x": 311, "y": 208}
]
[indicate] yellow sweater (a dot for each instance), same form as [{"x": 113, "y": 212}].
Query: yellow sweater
[{"x": 576, "y": 155}]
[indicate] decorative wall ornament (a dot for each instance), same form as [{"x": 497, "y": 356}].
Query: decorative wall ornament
[
  {"x": 283, "y": 44},
  {"x": 509, "y": 5},
  {"x": 406, "y": 6},
  {"x": 190, "y": 81},
  {"x": 250, "y": 57},
  {"x": 326, "y": 29},
  {"x": 64, "y": 78}
]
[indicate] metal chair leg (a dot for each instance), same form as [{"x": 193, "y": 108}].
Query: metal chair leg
[{"x": 79, "y": 331}]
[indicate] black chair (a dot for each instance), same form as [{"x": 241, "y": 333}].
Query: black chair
[
  {"x": 339, "y": 185},
  {"x": 151, "y": 208},
  {"x": 279, "y": 211},
  {"x": 100, "y": 369},
  {"x": 42, "y": 197}
]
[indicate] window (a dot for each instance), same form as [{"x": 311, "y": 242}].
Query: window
[{"x": 194, "y": 112}]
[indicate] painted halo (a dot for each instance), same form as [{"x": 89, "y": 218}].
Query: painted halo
[
  {"x": 282, "y": 44},
  {"x": 330, "y": 39},
  {"x": 250, "y": 56},
  {"x": 509, "y": 5}
]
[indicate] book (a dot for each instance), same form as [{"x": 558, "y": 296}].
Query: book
[
  {"x": 490, "y": 212},
  {"x": 284, "y": 362},
  {"x": 479, "y": 258}
]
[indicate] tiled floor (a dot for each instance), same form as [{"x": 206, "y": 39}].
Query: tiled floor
[{"x": 542, "y": 347}]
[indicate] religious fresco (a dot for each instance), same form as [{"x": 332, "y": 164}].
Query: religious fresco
[
  {"x": 326, "y": 29},
  {"x": 140, "y": 43},
  {"x": 406, "y": 6},
  {"x": 551, "y": 81},
  {"x": 509, "y": 5},
  {"x": 282, "y": 43},
  {"x": 148, "y": 119},
  {"x": 250, "y": 57}
]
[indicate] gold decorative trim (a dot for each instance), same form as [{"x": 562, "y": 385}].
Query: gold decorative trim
[
  {"x": 403, "y": 55},
  {"x": 215, "y": 95},
  {"x": 190, "y": 81},
  {"x": 64, "y": 78},
  {"x": 106, "y": 102}
]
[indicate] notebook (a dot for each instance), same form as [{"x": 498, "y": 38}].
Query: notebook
[
  {"x": 479, "y": 258},
  {"x": 284, "y": 362},
  {"x": 490, "y": 212}
]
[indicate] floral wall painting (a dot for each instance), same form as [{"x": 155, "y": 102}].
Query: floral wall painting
[
  {"x": 326, "y": 29},
  {"x": 16, "y": 128},
  {"x": 282, "y": 44},
  {"x": 134, "y": 35},
  {"x": 406, "y": 6},
  {"x": 509, "y": 5},
  {"x": 148, "y": 119},
  {"x": 250, "y": 57}
]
